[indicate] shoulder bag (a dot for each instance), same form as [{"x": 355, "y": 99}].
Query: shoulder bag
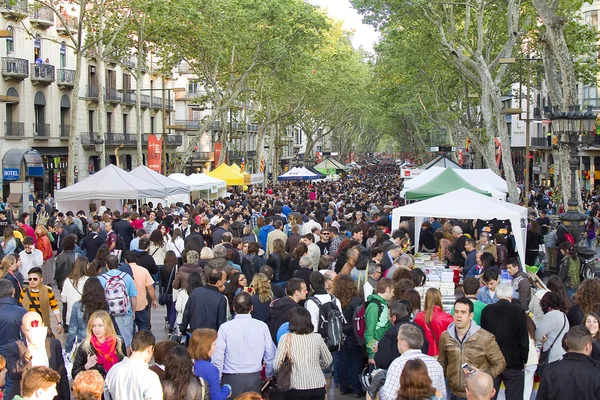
[
  {"x": 545, "y": 355},
  {"x": 167, "y": 295},
  {"x": 284, "y": 375}
]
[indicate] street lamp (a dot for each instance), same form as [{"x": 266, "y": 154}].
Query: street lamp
[{"x": 568, "y": 126}]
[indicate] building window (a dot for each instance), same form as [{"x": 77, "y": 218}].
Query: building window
[
  {"x": 63, "y": 55},
  {"x": 37, "y": 48},
  {"x": 590, "y": 96},
  {"x": 10, "y": 46},
  {"x": 109, "y": 121},
  {"x": 151, "y": 124},
  {"x": 91, "y": 120},
  {"x": 125, "y": 123},
  {"x": 591, "y": 18}
]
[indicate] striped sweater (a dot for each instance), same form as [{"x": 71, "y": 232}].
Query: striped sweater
[{"x": 309, "y": 354}]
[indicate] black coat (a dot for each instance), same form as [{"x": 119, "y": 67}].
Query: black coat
[
  {"x": 280, "y": 313},
  {"x": 124, "y": 230},
  {"x": 278, "y": 291},
  {"x": 576, "y": 376},
  {"x": 145, "y": 259},
  {"x": 304, "y": 274},
  {"x": 81, "y": 357},
  {"x": 91, "y": 244},
  {"x": 17, "y": 366},
  {"x": 348, "y": 327},
  {"x": 11, "y": 315},
  {"x": 251, "y": 266},
  {"x": 388, "y": 345},
  {"x": 281, "y": 266},
  {"x": 507, "y": 322},
  {"x": 206, "y": 308}
]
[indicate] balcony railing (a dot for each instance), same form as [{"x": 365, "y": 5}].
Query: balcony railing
[
  {"x": 156, "y": 103},
  {"x": 110, "y": 139},
  {"x": 14, "y": 9},
  {"x": 203, "y": 156},
  {"x": 172, "y": 140},
  {"x": 14, "y": 129},
  {"x": 66, "y": 78},
  {"x": 42, "y": 16},
  {"x": 539, "y": 142},
  {"x": 15, "y": 68},
  {"x": 590, "y": 140},
  {"x": 65, "y": 130},
  {"x": 112, "y": 95},
  {"x": 41, "y": 131},
  {"x": 145, "y": 100},
  {"x": 92, "y": 92},
  {"x": 72, "y": 23},
  {"x": 234, "y": 155},
  {"x": 129, "y": 98},
  {"x": 169, "y": 105},
  {"x": 42, "y": 74}
]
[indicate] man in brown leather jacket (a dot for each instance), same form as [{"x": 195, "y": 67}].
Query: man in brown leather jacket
[{"x": 465, "y": 342}]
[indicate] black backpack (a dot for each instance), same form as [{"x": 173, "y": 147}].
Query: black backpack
[
  {"x": 331, "y": 322},
  {"x": 19, "y": 246}
]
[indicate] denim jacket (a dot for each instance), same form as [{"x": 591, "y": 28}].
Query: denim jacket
[
  {"x": 77, "y": 327},
  {"x": 485, "y": 297}
]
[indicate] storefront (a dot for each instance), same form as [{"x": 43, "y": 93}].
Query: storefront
[{"x": 18, "y": 165}]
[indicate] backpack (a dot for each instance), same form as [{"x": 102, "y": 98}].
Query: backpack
[
  {"x": 360, "y": 322},
  {"x": 19, "y": 246},
  {"x": 116, "y": 294},
  {"x": 331, "y": 322}
]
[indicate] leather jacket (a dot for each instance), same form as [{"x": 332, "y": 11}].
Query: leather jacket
[
  {"x": 81, "y": 357},
  {"x": 479, "y": 349}
]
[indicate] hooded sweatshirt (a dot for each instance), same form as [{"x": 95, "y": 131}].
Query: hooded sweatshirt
[
  {"x": 263, "y": 233},
  {"x": 280, "y": 313}
]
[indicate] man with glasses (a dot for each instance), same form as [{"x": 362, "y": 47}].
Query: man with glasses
[
  {"x": 40, "y": 298},
  {"x": 185, "y": 227},
  {"x": 324, "y": 244},
  {"x": 30, "y": 257}
]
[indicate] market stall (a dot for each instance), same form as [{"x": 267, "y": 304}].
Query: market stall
[
  {"x": 299, "y": 174},
  {"x": 225, "y": 173},
  {"x": 447, "y": 181}
]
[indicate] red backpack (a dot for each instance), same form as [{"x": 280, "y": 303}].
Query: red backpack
[{"x": 359, "y": 324}]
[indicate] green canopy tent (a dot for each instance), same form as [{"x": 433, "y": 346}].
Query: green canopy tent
[
  {"x": 330, "y": 166},
  {"x": 447, "y": 181}
]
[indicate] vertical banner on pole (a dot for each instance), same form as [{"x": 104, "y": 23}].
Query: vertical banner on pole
[
  {"x": 218, "y": 147},
  {"x": 155, "y": 153}
]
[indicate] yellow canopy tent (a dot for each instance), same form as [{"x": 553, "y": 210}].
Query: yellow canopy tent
[
  {"x": 236, "y": 168},
  {"x": 224, "y": 172}
]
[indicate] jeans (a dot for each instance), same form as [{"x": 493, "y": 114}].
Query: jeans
[
  {"x": 514, "y": 381},
  {"x": 350, "y": 360},
  {"x": 171, "y": 313},
  {"x": 125, "y": 324},
  {"x": 591, "y": 243},
  {"x": 141, "y": 320}
]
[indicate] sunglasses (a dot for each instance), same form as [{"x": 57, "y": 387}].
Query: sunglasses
[{"x": 34, "y": 279}]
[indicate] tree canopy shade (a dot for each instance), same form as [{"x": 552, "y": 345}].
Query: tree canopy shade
[{"x": 446, "y": 182}]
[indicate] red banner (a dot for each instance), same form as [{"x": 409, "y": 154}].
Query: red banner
[
  {"x": 155, "y": 153},
  {"x": 217, "y": 148}
]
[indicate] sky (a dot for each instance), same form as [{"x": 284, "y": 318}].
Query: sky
[{"x": 364, "y": 35}]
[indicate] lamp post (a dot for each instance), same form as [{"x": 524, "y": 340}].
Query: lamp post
[
  {"x": 99, "y": 147},
  {"x": 569, "y": 126}
]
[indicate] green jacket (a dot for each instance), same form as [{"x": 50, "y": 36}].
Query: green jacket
[
  {"x": 478, "y": 308},
  {"x": 376, "y": 324}
]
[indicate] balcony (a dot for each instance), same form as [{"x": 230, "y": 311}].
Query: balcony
[
  {"x": 14, "y": 9},
  {"x": 172, "y": 140},
  {"x": 129, "y": 62},
  {"x": 169, "y": 105},
  {"x": 41, "y": 131},
  {"x": 234, "y": 155},
  {"x": 14, "y": 130},
  {"x": 129, "y": 98},
  {"x": 42, "y": 74},
  {"x": 203, "y": 156},
  {"x": 590, "y": 140},
  {"x": 64, "y": 132},
  {"x": 66, "y": 78},
  {"x": 110, "y": 139},
  {"x": 145, "y": 100},
  {"x": 15, "y": 68},
  {"x": 91, "y": 92},
  {"x": 156, "y": 103},
  {"x": 42, "y": 17},
  {"x": 540, "y": 142},
  {"x": 71, "y": 23},
  {"x": 112, "y": 95}
]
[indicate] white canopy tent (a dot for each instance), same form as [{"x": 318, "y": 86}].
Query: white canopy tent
[
  {"x": 171, "y": 187},
  {"x": 465, "y": 204},
  {"x": 480, "y": 178},
  {"x": 111, "y": 184},
  {"x": 213, "y": 187},
  {"x": 299, "y": 174}
]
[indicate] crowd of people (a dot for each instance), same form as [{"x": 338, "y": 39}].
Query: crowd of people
[{"x": 284, "y": 292}]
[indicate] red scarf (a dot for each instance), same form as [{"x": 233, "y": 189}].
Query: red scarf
[{"x": 106, "y": 352}]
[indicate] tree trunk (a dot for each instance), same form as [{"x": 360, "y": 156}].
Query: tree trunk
[
  {"x": 141, "y": 58},
  {"x": 74, "y": 145}
]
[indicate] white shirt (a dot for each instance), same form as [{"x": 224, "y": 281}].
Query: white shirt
[
  {"x": 307, "y": 227},
  {"x": 313, "y": 308},
  {"x": 177, "y": 246},
  {"x": 389, "y": 391},
  {"x": 314, "y": 252},
  {"x": 71, "y": 294},
  {"x": 132, "y": 380},
  {"x": 28, "y": 261}
]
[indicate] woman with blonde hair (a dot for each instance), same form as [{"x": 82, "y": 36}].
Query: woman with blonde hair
[
  {"x": 202, "y": 346},
  {"x": 9, "y": 269},
  {"x": 43, "y": 244},
  {"x": 262, "y": 298},
  {"x": 434, "y": 320},
  {"x": 101, "y": 349}
]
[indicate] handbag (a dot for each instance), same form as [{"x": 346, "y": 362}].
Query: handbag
[
  {"x": 167, "y": 295},
  {"x": 284, "y": 375},
  {"x": 545, "y": 355}
]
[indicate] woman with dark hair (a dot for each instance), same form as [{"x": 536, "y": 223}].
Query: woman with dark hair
[
  {"x": 415, "y": 383},
  {"x": 488, "y": 261},
  {"x": 300, "y": 251},
  {"x": 73, "y": 287},
  {"x": 279, "y": 260},
  {"x": 443, "y": 245},
  {"x": 167, "y": 273},
  {"x": 586, "y": 300},
  {"x": 359, "y": 272},
  {"x": 194, "y": 281},
  {"x": 177, "y": 245},
  {"x": 9, "y": 269},
  {"x": 92, "y": 300},
  {"x": 501, "y": 251},
  {"x": 570, "y": 267},
  {"x": 309, "y": 355},
  {"x": 427, "y": 243},
  {"x": 553, "y": 326},
  {"x": 180, "y": 382},
  {"x": 101, "y": 255},
  {"x": 201, "y": 348},
  {"x": 252, "y": 262},
  {"x": 65, "y": 260},
  {"x": 237, "y": 283},
  {"x": 556, "y": 285},
  {"x": 160, "y": 356},
  {"x": 349, "y": 360},
  {"x": 9, "y": 246},
  {"x": 415, "y": 302},
  {"x": 590, "y": 233},
  {"x": 157, "y": 249},
  {"x": 532, "y": 243},
  {"x": 434, "y": 320},
  {"x": 592, "y": 322},
  {"x": 562, "y": 236},
  {"x": 401, "y": 287},
  {"x": 342, "y": 254}
]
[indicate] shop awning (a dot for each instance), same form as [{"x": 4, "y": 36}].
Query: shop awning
[{"x": 13, "y": 158}]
